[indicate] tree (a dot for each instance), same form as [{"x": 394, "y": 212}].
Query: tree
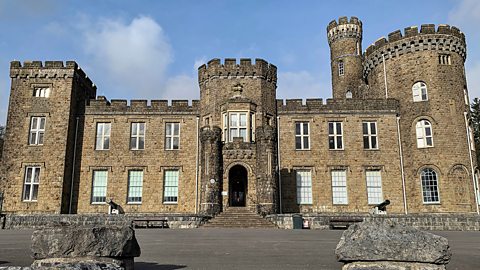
[{"x": 475, "y": 124}]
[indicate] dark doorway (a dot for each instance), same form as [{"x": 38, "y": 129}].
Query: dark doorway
[{"x": 237, "y": 185}]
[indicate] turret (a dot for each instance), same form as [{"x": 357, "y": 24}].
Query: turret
[{"x": 345, "y": 40}]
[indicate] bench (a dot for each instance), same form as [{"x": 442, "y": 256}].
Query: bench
[
  {"x": 343, "y": 222},
  {"x": 148, "y": 222}
]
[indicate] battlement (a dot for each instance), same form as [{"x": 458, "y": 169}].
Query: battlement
[
  {"x": 344, "y": 29},
  {"x": 444, "y": 38},
  {"x": 48, "y": 69},
  {"x": 230, "y": 69},
  {"x": 336, "y": 105},
  {"x": 121, "y": 106}
]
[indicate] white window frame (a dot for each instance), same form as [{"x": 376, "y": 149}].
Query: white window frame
[
  {"x": 102, "y": 135},
  {"x": 444, "y": 59},
  {"x": 430, "y": 186},
  {"x": 135, "y": 186},
  {"x": 369, "y": 136},
  {"x": 374, "y": 186},
  {"x": 172, "y": 137},
  {"x": 341, "y": 68},
  {"x": 335, "y": 135},
  {"x": 302, "y": 136},
  {"x": 99, "y": 189},
  {"x": 421, "y": 130},
  {"x": 37, "y": 130},
  {"x": 420, "y": 91},
  {"x": 137, "y": 136},
  {"x": 339, "y": 187},
  {"x": 304, "y": 186},
  {"x": 249, "y": 126},
  {"x": 31, "y": 184},
  {"x": 41, "y": 92},
  {"x": 170, "y": 186}
]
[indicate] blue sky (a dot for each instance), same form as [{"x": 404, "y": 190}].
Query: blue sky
[{"x": 151, "y": 49}]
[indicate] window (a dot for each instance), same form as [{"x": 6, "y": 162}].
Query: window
[
  {"x": 465, "y": 96},
  {"x": 429, "y": 186},
  {"x": 37, "y": 130},
  {"x": 444, "y": 59},
  {"x": 348, "y": 94},
  {"x": 419, "y": 90},
  {"x": 137, "y": 137},
  {"x": 172, "y": 136},
  {"x": 238, "y": 125},
  {"x": 341, "y": 68},
  {"x": 103, "y": 136},
  {"x": 170, "y": 186},
  {"x": 424, "y": 134},
  {"x": 374, "y": 187},
  {"x": 335, "y": 138},
  {"x": 99, "y": 186},
  {"x": 135, "y": 186},
  {"x": 41, "y": 92},
  {"x": 370, "y": 135},
  {"x": 304, "y": 187},
  {"x": 302, "y": 139},
  {"x": 30, "y": 187},
  {"x": 339, "y": 187}
]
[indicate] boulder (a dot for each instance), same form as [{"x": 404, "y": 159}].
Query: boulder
[
  {"x": 392, "y": 266},
  {"x": 95, "y": 241},
  {"x": 386, "y": 240}
]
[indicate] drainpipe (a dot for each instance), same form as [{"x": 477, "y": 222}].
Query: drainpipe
[
  {"x": 401, "y": 167},
  {"x": 475, "y": 186},
  {"x": 73, "y": 167},
  {"x": 279, "y": 174},
  {"x": 196, "y": 172},
  {"x": 385, "y": 76}
]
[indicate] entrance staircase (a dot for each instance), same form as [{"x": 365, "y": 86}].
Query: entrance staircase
[{"x": 238, "y": 217}]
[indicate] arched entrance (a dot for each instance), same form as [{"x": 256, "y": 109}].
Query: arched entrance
[{"x": 237, "y": 186}]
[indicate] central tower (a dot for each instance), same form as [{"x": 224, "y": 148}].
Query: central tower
[{"x": 345, "y": 40}]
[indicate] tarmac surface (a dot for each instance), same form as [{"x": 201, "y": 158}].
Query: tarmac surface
[{"x": 167, "y": 249}]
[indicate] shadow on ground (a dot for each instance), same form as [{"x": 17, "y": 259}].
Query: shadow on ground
[
  {"x": 3, "y": 262},
  {"x": 156, "y": 266}
]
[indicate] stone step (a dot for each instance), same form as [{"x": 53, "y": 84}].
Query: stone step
[{"x": 238, "y": 217}]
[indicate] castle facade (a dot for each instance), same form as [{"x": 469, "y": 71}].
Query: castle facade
[{"x": 397, "y": 128}]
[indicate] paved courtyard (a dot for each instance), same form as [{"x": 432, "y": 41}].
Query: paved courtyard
[{"x": 164, "y": 249}]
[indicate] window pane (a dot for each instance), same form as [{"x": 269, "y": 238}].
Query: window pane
[
  {"x": 28, "y": 175},
  {"x": 168, "y": 130},
  {"x": 373, "y": 128},
  {"x": 365, "y": 128},
  {"x": 243, "y": 120},
  {"x": 298, "y": 143},
  {"x": 34, "y": 123},
  {"x": 428, "y": 131},
  {"x": 42, "y": 123},
  {"x": 33, "y": 138},
  {"x": 366, "y": 144},
  {"x": 99, "y": 129},
  {"x": 233, "y": 120},
  {"x": 176, "y": 142},
  {"x": 330, "y": 128},
  {"x": 243, "y": 133},
  {"x": 133, "y": 143},
  {"x": 429, "y": 141},
  {"x": 26, "y": 193},
  {"x": 107, "y": 129},
  {"x": 305, "y": 128},
  {"x": 339, "y": 128},
  {"x": 374, "y": 142},
  {"x": 142, "y": 129},
  {"x": 34, "y": 192},
  {"x": 339, "y": 143},
  {"x": 36, "y": 175},
  {"x": 141, "y": 143},
  {"x": 106, "y": 143},
  {"x": 297, "y": 128},
  {"x": 305, "y": 143},
  {"x": 331, "y": 142},
  {"x": 168, "y": 143},
  {"x": 134, "y": 129},
  {"x": 176, "y": 129},
  {"x": 40, "y": 138}
]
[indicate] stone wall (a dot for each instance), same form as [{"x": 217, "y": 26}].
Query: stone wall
[{"x": 429, "y": 222}]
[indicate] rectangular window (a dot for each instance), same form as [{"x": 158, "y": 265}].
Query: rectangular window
[
  {"x": 304, "y": 187},
  {"x": 339, "y": 187},
  {"x": 335, "y": 138},
  {"x": 237, "y": 125},
  {"x": 41, "y": 92},
  {"x": 341, "y": 68},
  {"x": 30, "y": 187},
  {"x": 135, "y": 186},
  {"x": 302, "y": 135},
  {"x": 172, "y": 136},
  {"x": 170, "y": 186},
  {"x": 444, "y": 59},
  {"x": 374, "y": 187},
  {"x": 103, "y": 136},
  {"x": 137, "y": 136},
  {"x": 370, "y": 140},
  {"x": 225, "y": 127},
  {"x": 37, "y": 130},
  {"x": 99, "y": 186}
]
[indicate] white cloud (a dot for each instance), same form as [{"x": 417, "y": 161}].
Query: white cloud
[
  {"x": 465, "y": 14},
  {"x": 301, "y": 84},
  {"x": 134, "y": 56},
  {"x": 181, "y": 87}
]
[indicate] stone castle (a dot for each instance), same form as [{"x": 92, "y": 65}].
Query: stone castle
[{"x": 397, "y": 128}]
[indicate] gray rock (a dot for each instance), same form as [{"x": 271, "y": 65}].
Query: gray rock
[
  {"x": 386, "y": 240},
  {"x": 98, "y": 241},
  {"x": 80, "y": 263},
  {"x": 392, "y": 266}
]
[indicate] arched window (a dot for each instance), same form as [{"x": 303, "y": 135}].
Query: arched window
[
  {"x": 424, "y": 134},
  {"x": 348, "y": 94},
  {"x": 429, "y": 180},
  {"x": 419, "y": 91}
]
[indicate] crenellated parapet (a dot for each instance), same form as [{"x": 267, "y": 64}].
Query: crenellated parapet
[
  {"x": 230, "y": 69},
  {"x": 444, "y": 38},
  {"x": 122, "y": 106},
  {"x": 48, "y": 69},
  {"x": 345, "y": 28},
  {"x": 336, "y": 105}
]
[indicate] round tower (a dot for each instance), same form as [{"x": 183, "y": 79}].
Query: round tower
[{"x": 345, "y": 40}]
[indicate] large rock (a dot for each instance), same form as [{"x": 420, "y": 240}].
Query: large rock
[
  {"x": 98, "y": 241},
  {"x": 392, "y": 266},
  {"x": 386, "y": 240}
]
